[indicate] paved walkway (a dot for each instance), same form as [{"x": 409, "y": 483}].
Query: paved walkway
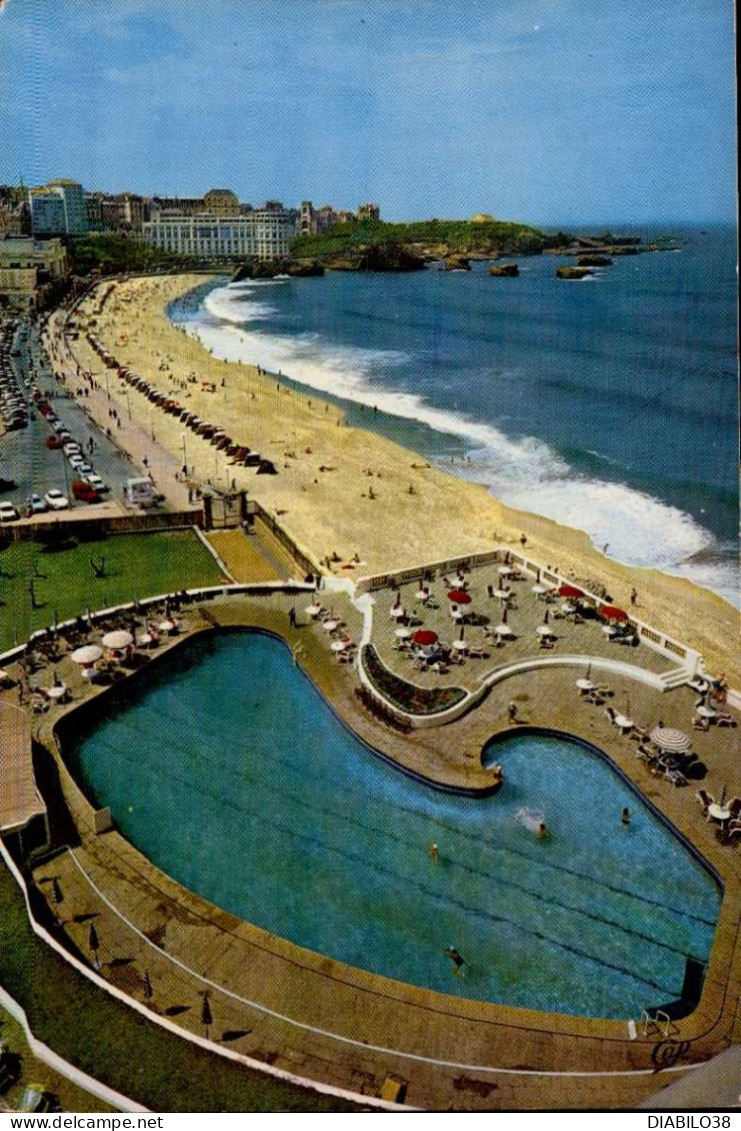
[{"x": 71, "y": 359}]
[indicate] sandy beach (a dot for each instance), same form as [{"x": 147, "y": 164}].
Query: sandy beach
[{"x": 343, "y": 491}]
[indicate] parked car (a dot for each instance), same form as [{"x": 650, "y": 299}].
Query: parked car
[
  {"x": 71, "y": 448},
  {"x": 76, "y": 459},
  {"x": 53, "y": 442},
  {"x": 8, "y": 513},
  {"x": 56, "y": 500},
  {"x": 97, "y": 483},
  {"x": 37, "y": 505},
  {"x": 84, "y": 492}
]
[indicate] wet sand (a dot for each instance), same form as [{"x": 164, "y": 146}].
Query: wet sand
[{"x": 343, "y": 491}]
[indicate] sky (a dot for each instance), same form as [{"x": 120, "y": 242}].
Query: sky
[{"x": 545, "y": 111}]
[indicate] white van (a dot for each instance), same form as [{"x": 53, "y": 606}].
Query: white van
[{"x": 139, "y": 492}]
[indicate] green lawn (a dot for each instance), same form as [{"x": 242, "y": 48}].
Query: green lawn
[
  {"x": 124, "y": 1050},
  {"x": 64, "y": 580}
]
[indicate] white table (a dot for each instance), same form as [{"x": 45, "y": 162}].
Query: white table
[
  {"x": 339, "y": 645},
  {"x": 330, "y": 625},
  {"x": 456, "y": 614},
  {"x": 146, "y": 639},
  {"x": 89, "y": 673},
  {"x": 539, "y": 590},
  {"x": 585, "y": 685},
  {"x": 503, "y": 594},
  {"x": 403, "y": 633},
  {"x": 396, "y": 612},
  {"x": 567, "y": 608},
  {"x": 719, "y": 812},
  {"x": 503, "y": 630},
  {"x": 608, "y": 630},
  {"x": 544, "y": 630},
  {"x": 707, "y": 712},
  {"x": 313, "y": 610},
  {"x": 422, "y": 595},
  {"x": 460, "y": 645},
  {"x": 623, "y": 722},
  {"x": 505, "y": 571},
  {"x": 57, "y": 693}
]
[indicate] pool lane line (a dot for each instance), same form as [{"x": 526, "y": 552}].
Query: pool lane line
[
  {"x": 600, "y": 920},
  {"x": 341, "y": 1039},
  {"x": 543, "y": 863}
]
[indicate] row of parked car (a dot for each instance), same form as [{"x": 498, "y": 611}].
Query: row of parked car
[
  {"x": 87, "y": 487},
  {"x": 13, "y": 398}
]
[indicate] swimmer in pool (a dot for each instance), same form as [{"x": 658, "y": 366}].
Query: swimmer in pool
[
  {"x": 543, "y": 832},
  {"x": 459, "y": 964}
]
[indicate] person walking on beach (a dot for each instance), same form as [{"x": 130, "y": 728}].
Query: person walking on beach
[
  {"x": 512, "y": 712},
  {"x": 292, "y": 617},
  {"x": 634, "y": 596}
]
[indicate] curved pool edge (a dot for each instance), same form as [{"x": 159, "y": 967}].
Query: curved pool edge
[{"x": 593, "y": 1037}]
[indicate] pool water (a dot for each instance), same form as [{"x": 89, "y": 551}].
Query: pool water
[{"x": 229, "y": 771}]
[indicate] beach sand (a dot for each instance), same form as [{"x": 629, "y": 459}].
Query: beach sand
[{"x": 401, "y": 514}]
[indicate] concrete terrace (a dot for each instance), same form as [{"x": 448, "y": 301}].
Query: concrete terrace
[{"x": 282, "y": 1005}]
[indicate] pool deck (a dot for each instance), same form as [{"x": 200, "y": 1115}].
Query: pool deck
[{"x": 283, "y": 1005}]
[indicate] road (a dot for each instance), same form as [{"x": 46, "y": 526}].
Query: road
[{"x": 24, "y": 456}]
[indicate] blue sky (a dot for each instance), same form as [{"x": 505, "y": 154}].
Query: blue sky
[{"x": 550, "y": 111}]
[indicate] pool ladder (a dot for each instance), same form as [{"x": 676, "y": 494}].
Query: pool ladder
[{"x": 660, "y": 1021}]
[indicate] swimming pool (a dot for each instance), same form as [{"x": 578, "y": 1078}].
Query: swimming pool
[{"x": 229, "y": 771}]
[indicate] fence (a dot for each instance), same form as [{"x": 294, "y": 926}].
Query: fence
[
  {"x": 97, "y": 527},
  {"x": 303, "y": 558}
]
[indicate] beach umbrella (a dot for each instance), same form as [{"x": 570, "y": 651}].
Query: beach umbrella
[
  {"x": 424, "y": 637},
  {"x": 119, "y": 638},
  {"x": 86, "y": 655},
  {"x": 459, "y": 597},
  {"x": 612, "y": 612},
  {"x": 570, "y": 591},
  {"x": 671, "y": 740}
]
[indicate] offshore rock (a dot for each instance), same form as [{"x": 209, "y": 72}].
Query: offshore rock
[
  {"x": 457, "y": 263},
  {"x": 573, "y": 272},
  {"x": 594, "y": 261},
  {"x": 505, "y": 270}
]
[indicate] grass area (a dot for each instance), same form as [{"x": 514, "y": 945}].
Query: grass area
[
  {"x": 65, "y": 579},
  {"x": 120, "y": 1047},
  {"x": 407, "y": 696}
]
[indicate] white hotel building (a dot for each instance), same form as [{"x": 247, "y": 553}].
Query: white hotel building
[{"x": 260, "y": 234}]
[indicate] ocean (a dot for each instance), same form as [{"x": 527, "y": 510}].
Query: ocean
[{"x": 609, "y": 404}]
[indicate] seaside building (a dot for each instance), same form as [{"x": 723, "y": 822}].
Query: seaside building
[
  {"x": 260, "y": 234},
  {"x": 28, "y": 267},
  {"x": 369, "y": 212},
  {"x": 14, "y": 213},
  {"x": 58, "y": 209}
]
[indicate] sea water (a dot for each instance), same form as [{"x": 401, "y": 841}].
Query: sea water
[
  {"x": 608, "y": 404},
  {"x": 269, "y": 807}
]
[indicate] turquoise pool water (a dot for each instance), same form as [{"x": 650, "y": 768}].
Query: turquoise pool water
[{"x": 228, "y": 770}]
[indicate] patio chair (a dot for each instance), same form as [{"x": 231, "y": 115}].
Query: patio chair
[
  {"x": 733, "y": 831},
  {"x": 676, "y": 777},
  {"x": 724, "y": 720},
  {"x": 706, "y": 799},
  {"x": 640, "y": 734},
  {"x": 734, "y": 808}
]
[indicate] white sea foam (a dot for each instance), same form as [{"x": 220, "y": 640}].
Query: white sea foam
[{"x": 523, "y": 472}]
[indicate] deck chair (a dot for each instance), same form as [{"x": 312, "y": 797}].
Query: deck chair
[{"x": 706, "y": 799}]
